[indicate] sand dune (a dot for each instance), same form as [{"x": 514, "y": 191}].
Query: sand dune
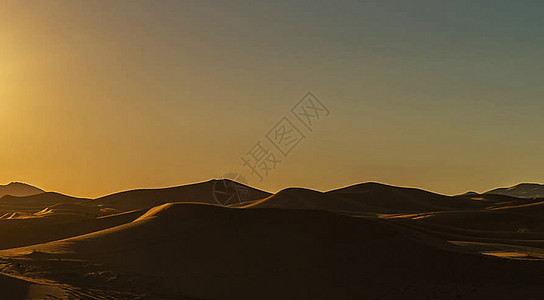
[
  {"x": 48, "y": 216},
  {"x": 375, "y": 198},
  {"x": 368, "y": 241},
  {"x": 19, "y": 189},
  {"x": 202, "y": 192},
  {"x": 397, "y": 199},
  {"x": 29, "y": 231},
  {"x": 523, "y": 190},
  {"x": 70, "y": 210},
  {"x": 298, "y": 198},
  {"x": 241, "y": 252},
  {"x": 35, "y": 203}
]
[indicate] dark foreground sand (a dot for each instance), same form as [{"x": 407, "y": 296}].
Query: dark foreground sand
[{"x": 368, "y": 241}]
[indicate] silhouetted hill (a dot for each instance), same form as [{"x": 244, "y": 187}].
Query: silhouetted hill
[
  {"x": 394, "y": 199},
  {"x": 211, "y": 192},
  {"x": 19, "y": 189},
  {"x": 300, "y": 198},
  {"x": 34, "y": 203},
  {"x": 523, "y": 190}
]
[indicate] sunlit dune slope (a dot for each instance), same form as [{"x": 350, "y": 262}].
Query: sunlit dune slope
[
  {"x": 28, "y": 231},
  {"x": 299, "y": 198},
  {"x": 44, "y": 217},
  {"x": 203, "y": 192},
  {"x": 35, "y": 203}
]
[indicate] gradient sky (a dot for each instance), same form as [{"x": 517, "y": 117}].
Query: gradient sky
[{"x": 102, "y": 96}]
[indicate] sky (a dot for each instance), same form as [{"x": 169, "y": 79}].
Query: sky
[{"x": 102, "y": 96}]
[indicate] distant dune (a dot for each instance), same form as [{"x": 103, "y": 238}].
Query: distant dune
[
  {"x": 367, "y": 241},
  {"x": 203, "y": 192},
  {"x": 523, "y": 190},
  {"x": 19, "y": 189}
]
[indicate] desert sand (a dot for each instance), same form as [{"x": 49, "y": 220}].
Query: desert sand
[{"x": 366, "y": 241}]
